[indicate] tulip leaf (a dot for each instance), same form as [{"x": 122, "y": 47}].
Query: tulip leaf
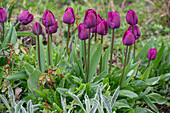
[
  {"x": 94, "y": 61},
  {"x": 105, "y": 60},
  {"x": 143, "y": 52},
  {"x": 21, "y": 34},
  {"x": 51, "y": 52},
  {"x": 158, "y": 98}
]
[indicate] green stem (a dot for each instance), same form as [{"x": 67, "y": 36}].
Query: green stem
[
  {"x": 39, "y": 52},
  {"x": 68, "y": 33},
  {"x": 148, "y": 65},
  {"x": 101, "y": 55},
  {"x": 124, "y": 66},
  {"x": 49, "y": 61},
  {"x": 134, "y": 52},
  {"x": 95, "y": 36},
  {"x": 85, "y": 49},
  {"x": 88, "y": 65},
  {"x": 128, "y": 55},
  {"x": 3, "y": 27},
  {"x": 136, "y": 73},
  {"x": 111, "y": 52}
]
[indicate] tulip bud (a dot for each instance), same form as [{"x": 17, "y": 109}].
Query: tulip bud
[
  {"x": 83, "y": 32},
  {"x": 52, "y": 29},
  {"x": 90, "y": 18},
  {"x": 94, "y": 29},
  {"x": 102, "y": 28},
  {"x": 113, "y": 19},
  {"x": 25, "y": 17},
  {"x": 48, "y": 18},
  {"x": 136, "y": 31},
  {"x": 128, "y": 38},
  {"x": 152, "y": 53},
  {"x": 36, "y": 28},
  {"x": 138, "y": 61},
  {"x": 3, "y": 15},
  {"x": 131, "y": 17},
  {"x": 69, "y": 16}
]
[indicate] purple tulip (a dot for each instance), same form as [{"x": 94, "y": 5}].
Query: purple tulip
[
  {"x": 25, "y": 17},
  {"x": 69, "y": 16},
  {"x": 90, "y": 18},
  {"x": 99, "y": 19},
  {"x": 138, "y": 61},
  {"x": 52, "y": 29},
  {"x": 131, "y": 17},
  {"x": 48, "y": 18},
  {"x": 152, "y": 53},
  {"x": 3, "y": 15},
  {"x": 113, "y": 19},
  {"x": 102, "y": 28},
  {"x": 136, "y": 31},
  {"x": 83, "y": 32},
  {"x": 128, "y": 38},
  {"x": 36, "y": 28}
]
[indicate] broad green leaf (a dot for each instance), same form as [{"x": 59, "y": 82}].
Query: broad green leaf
[
  {"x": 150, "y": 104},
  {"x": 101, "y": 76},
  {"x": 114, "y": 97},
  {"x": 17, "y": 75},
  {"x": 42, "y": 55},
  {"x": 8, "y": 37},
  {"x": 141, "y": 110},
  {"x": 28, "y": 68},
  {"x": 145, "y": 92},
  {"x": 128, "y": 93},
  {"x": 158, "y": 98},
  {"x": 21, "y": 34},
  {"x": 57, "y": 107},
  {"x": 146, "y": 74},
  {"x": 41, "y": 93},
  {"x": 143, "y": 52},
  {"x": 33, "y": 79},
  {"x": 13, "y": 37},
  {"x": 94, "y": 61},
  {"x": 51, "y": 52},
  {"x": 5, "y": 101},
  {"x": 18, "y": 106},
  {"x": 121, "y": 104},
  {"x": 107, "y": 104},
  {"x": 62, "y": 91},
  {"x": 153, "y": 80},
  {"x": 77, "y": 100},
  {"x": 165, "y": 77}
]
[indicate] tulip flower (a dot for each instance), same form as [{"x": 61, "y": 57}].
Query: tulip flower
[
  {"x": 37, "y": 30},
  {"x": 90, "y": 21},
  {"x": 113, "y": 21},
  {"x": 136, "y": 31},
  {"x": 3, "y": 18},
  {"x": 3, "y": 15},
  {"x": 25, "y": 17},
  {"x": 83, "y": 34},
  {"x": 152, "y": 53},
  {"x": 94, "y": 29},
  {"x": 69, "y": 16},
  {"x": 52, "y": 29},
  {"x": 128, "y": 39},
  {"x": 102, "y": 28},
  {"x": 90, "y": 18},
  {"x": 131, "y": 17},
  {"x": 48, "y": 18}
]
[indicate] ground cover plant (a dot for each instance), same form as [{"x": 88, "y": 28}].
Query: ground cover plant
[{"x": 84, "y": 56}]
